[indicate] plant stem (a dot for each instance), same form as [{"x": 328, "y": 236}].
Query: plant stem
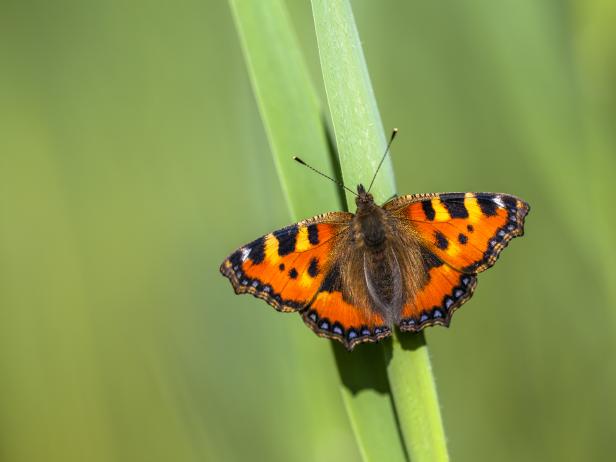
[
  {"x": 361, "y": 142},
  {"x": 290, "y": 109},
  {"x": 294, "y": 124},
  {"x": 412, "y": 385}
]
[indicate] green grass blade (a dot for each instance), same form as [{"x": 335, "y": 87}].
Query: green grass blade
[
  {"x": 367, "y": 398},
  {"x": 355, "y": 116},
  {"x": 417, "y": 405},
  {"x": 360, "y": 140},
  {"x": 288, "y": 104}
]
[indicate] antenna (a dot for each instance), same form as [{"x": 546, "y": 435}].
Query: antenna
[
  {"x": 297, "y": 159},
  {"x": 393, "y": 135}
]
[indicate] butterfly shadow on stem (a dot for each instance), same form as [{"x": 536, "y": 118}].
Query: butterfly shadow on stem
[
  {"x": 411, "y": 341},
  {"x": 365, "y": 368}
]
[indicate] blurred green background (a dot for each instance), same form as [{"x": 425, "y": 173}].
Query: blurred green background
[{"x": 133, "y": 160}]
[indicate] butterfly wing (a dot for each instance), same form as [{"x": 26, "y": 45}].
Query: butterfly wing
[
  {"x": 286, "y": 268},
  {"x": 445, "y": 290},
  {"x": 461, "y": 234},
  {"x": 333, "y": 315},
  {"x": 297, "y": 268}
]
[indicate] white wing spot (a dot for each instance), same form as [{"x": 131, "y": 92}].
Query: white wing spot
[
  {"x": 499, "y": 201},
  {"x": 245, "y": 253}
]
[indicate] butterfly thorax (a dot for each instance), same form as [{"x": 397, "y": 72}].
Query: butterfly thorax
[{"x": 369, "y": 222}]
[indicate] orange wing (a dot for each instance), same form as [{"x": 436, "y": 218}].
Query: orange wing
[
  {"x": 331, "y": 315},
  {"x": 445, "y": 290},
  {"x": 286, "y": 268},
  {"x": 461, "y": 234},
  {"x": 296, "y": 269}
]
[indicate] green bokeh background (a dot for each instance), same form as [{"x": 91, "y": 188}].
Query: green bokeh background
[{"x": 133, "y": 160}]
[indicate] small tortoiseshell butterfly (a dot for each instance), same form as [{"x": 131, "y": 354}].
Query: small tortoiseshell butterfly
[{"x": 409, "y": 263}]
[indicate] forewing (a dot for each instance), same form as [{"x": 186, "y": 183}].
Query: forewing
[
  {"x": 459, "y": 234},
  {"x": 467, "y": 231},
  {"x": 286, "y": 268}
]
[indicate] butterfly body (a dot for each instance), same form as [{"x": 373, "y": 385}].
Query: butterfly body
[
  {"x": 370, "y": 222},
  {"x": 354, "y": 277},
  {"x": 371, "y": 268}
]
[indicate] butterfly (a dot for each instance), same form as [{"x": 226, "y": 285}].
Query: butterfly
[{"x": 409, "y": 263}]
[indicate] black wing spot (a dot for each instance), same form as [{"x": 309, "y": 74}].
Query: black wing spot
[
  {"x": 428, "y": 209},
  {"x": 470, "y": 228},
  {"x": 281, "y": 267},
  {"x": 292, "y": 273},
  {"x": 313, "y": 234},
  {"x": 313, "y": 268},
  {"x": 441, "y": 241},
  {"x": 462, "y": 238},
  {"x": 488, "y": 206},
  {"x": 456, "y": 208},
  {"x": 287, "y": 238},
  {"x": 257, "y": 250}
]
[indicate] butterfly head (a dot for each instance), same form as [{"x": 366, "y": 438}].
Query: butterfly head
[{"x": 363, "y": 197}]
